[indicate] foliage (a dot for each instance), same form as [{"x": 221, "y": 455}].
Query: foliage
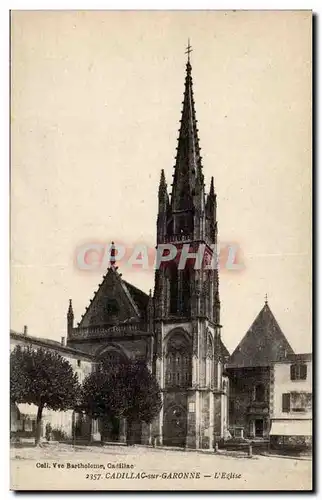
[
  {"x": 103, "y": 392},
  {"x": 58, "y": 434},
  {"x": 122, "y": 390},
  {"x": 142, "y": 393},
  {"x": 43, "y": 378}
]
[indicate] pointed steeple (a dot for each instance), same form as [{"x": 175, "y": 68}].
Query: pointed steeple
[
  {"x": 163, "y": 184},
  {"x": 70, "y": 317},
  {"x": 163, "y": 192},
  {"x": 188, "y": 166},
  {"x": 212, "y": 188},
  {"x": 211, "y": 206},
  {"x": 70, "y": 312},
  {"x": 211, "y": 199},
  {"x": 164, "y": 208}
]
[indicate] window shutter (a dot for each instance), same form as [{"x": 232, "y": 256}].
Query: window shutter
[
  {"x": 293, "y": 372},
  {"x": 303, "y": 372},
  {"x": 286, "y": 403}
]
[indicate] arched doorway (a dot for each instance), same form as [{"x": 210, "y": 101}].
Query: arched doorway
[
  {"x": 175, "y": 426},
  {"x": 111, "y": 356}
]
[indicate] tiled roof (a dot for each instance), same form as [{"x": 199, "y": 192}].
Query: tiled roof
[
  {"x": 263, "y": 344},
  {"x": 307, "y": 356},
  {"x": 49, "y": 343},
  {"x": 140, "y": 298}
]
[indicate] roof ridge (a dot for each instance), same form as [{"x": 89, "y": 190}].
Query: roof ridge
[{"x": 133, "y": 286}]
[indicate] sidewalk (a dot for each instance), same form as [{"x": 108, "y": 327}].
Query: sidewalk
[{"x": 28, "y": 444}]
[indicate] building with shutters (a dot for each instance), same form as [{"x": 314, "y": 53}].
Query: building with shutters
[
  {"x": 291, "y": 411},
  {"x": 64, "y": 423}
]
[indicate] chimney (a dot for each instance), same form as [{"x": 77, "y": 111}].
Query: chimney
[
  {"x": 25, "y": 330},
  {"x": 63, "y": 341}
]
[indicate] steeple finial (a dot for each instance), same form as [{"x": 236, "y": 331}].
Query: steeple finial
[
  {"x": 266, "y": 299},
  {"x": 112, "y": 255},
  {"x": 188, "y": 50}
]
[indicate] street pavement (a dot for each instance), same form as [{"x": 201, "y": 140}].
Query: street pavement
[{"x": 65, "y": 467}]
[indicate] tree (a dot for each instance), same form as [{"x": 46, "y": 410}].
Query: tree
[
  {"x": 43, "y": 378},
  {"x": 103, "y": 394},
  {"x": 122, "y": 390},
  {"x": 143, "y": 396}
]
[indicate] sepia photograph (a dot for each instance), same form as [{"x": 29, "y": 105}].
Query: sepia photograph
[{"x": 161, "y": 250}]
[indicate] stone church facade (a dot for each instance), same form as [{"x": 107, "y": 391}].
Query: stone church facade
[{"x": 177, "y": 329}]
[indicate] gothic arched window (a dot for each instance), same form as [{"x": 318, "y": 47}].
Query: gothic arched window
[
  {"x": 111, "y": 357},
  {"x": 184, "y": 291},
  {"x": 180, "y": 291},
  {"x": 178, "y": 361}
]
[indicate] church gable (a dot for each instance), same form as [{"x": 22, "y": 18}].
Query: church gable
[
  {"x": 115, "y": 302},
  {"x": 264, "y": 343}
]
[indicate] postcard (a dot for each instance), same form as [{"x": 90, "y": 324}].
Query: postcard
[{"x": 161, "y": 195}]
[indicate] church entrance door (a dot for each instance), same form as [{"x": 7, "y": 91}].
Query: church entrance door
[
  {"x": 259, "y": 427},
  {"x": 175, "y": 427}
]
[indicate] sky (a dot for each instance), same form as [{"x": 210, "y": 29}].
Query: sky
[{"x": 96, "y": 100}]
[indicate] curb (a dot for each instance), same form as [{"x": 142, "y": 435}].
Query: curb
[{"x": 290, "y": 457}]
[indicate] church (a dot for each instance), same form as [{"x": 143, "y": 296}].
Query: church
[
  {"x": 176, "y": 329},
  {"x": 262, "y": 392}
]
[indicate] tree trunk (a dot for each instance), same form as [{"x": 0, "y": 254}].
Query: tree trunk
[
  {"x": 74, "y": 427},
  {"x": 38, "y": 424},
  {"x": 90, "y": 430},
  {"x": 129, "y": 433},
  {"x": 104, "y": 423}
]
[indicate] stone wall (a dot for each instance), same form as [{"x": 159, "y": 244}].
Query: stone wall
[
  {"x": 291, "y": 443},
  {"x": 242, "y": 407},
  {"x": 175, "y": 422},
  {"x": 132, "y": 348}
]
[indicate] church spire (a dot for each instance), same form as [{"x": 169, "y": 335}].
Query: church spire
[{"x": 188, "y": 169}]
